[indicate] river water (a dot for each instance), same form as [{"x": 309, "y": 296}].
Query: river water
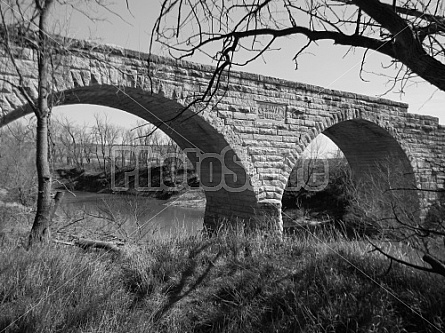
[{"x": 127, "y": 217}]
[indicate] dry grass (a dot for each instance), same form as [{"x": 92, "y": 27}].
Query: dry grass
[{"x": 228, "y": 283}]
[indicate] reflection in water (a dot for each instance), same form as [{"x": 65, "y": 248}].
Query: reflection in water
[{"x": 130, "y": 217}]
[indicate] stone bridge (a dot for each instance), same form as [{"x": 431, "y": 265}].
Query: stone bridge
[{"x": 246, "y": 142}]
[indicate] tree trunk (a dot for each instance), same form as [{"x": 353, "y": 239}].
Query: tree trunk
[{"x": 40, "y": 229}]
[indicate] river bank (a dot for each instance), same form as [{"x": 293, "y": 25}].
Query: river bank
[{"x": 179, "y": 189}]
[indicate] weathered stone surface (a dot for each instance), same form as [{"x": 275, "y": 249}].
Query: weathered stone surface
[{"x": 257, "y": 130}]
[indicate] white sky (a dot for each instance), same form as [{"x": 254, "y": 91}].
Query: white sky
[{"x": 325, "y": 65}]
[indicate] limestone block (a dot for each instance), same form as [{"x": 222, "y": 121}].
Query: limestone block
[
  {"x": 76, "y": 78},
  {"x": 79, "y": 62},
  {"x": 261, "y": 137},
  {"x": 86, "y": 77},
  {"x": 13, "y": 101}
]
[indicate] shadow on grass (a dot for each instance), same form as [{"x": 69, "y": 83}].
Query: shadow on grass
[
  {"x": 328, "y": 294},
  {"x": 183, "y": 287},
  {"x": 173, "y": 273},
  {"x": 224, "y": 284}
]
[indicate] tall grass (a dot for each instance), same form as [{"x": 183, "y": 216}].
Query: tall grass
[{"x": 233, "y": 282}]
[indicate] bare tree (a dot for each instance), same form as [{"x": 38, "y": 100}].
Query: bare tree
[
  {"x": 68, "y": 139},
  {"x": 238, "y": 32},
  {"x": 27, "y": 24},
  {"x": 26, "y": 27},
  {"x": 174, "y": 162},
  {"x": 74, "y": 141},
  {"x": 106, "y": 136},
  {"x": 147, "y": 136},
  {"x": 127, "y": 141}
]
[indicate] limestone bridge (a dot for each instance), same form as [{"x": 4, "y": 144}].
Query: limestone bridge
[{"x": 254, "y": 130}]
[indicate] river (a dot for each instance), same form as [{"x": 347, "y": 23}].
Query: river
[{"x": 127, "y": 217}]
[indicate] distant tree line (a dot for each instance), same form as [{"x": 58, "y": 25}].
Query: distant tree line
[
  {"x": 86, "y": 147},
  {"x": 91, "y": 146}
]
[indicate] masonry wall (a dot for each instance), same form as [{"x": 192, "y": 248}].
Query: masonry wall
[{"x": 264, "y": 123}]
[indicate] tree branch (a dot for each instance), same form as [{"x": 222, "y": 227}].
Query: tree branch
[
  {"x": 403, "y": 262},
  {"x": 314, "y": 35},
  {"x": 407, "y": 48},
  {"x": 437, "y": 266}
]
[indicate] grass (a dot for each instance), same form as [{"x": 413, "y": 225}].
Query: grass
[{"x": 228, "y": 283}]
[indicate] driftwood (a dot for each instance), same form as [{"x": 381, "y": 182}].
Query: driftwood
[
  {"x": 82, "y": 243},
  {"x": 91, "y": 243}
]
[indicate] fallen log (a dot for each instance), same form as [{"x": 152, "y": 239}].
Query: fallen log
[{"x": 91, "y": 243}]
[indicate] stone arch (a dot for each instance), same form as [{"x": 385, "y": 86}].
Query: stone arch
[
  {"x": 376, "y": 123},
  {"x": 375, "y": 155},
  {"x": 211, "y": 147},
  {"x": 371, "y": 146}
]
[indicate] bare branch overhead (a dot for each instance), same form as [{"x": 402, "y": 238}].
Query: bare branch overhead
[{"x": 410, "y": 32}]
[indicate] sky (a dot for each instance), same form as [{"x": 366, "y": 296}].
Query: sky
[{"x": 326, "y": 65}]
